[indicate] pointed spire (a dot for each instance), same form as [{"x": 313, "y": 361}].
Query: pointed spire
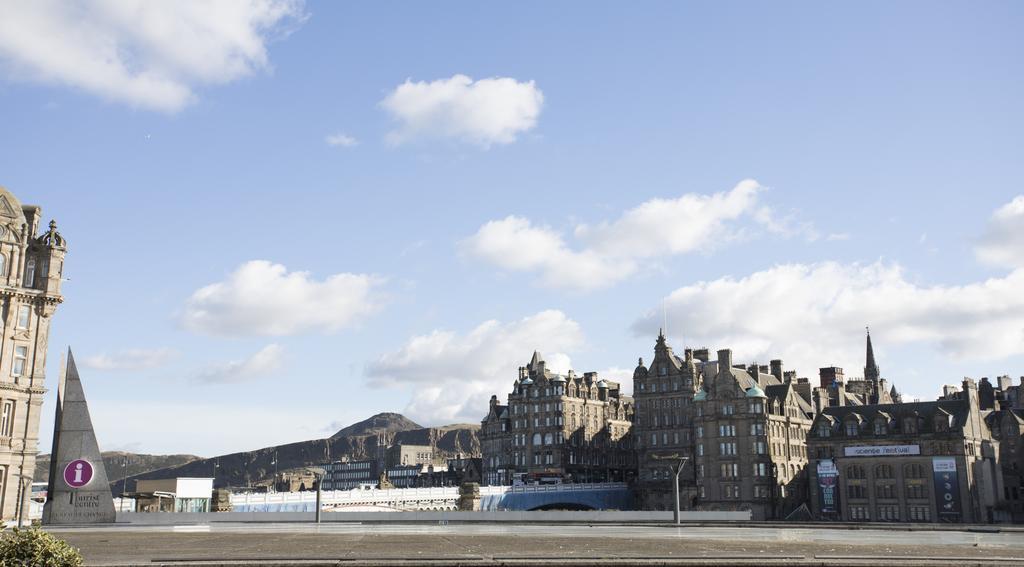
[
  {"x": 537, "y": 359},
  {"x": 871, "y": 372},
  {"x": 661, "y": 344}
]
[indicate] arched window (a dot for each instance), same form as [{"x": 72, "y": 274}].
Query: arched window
[
  {"x": 30, "y": 272},
  {"x": 548, "y": 438},
  {"x": 536, "y": 438}
]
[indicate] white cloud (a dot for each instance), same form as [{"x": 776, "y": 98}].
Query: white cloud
[
  {"x": 130, "y": 359},
  {"x": 1003, "y": 242},
  {"x": 147, "y": 54},
  {"x": 266, "y": 360},
  {"x": 612, "y": 251},
  {"x": 341, "y": 140},
  {"x": 262, "y": 298},
  {"x": 484, "y": 112},
  {"x": 453, "y": 376},
  {"x": 814, "y": 315}
]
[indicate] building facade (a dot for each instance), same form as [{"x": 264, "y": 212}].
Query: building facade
[
  {"x": 907, "y": 462},
  {"x": 663, "y": 426},
  {"x": 750, "y": 430},
  {"x": 559, "y": 428},
  {"x": 31, "y": 266}
]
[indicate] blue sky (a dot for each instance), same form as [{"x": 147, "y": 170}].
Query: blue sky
[{"x": 504, "y": 177}]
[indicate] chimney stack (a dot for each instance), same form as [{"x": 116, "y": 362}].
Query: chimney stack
[
  {"x": 724, "y": 360},
  {"x": 830, "y": 375},
  {"x": 777, "y": 369}
]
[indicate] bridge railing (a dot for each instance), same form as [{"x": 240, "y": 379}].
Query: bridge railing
[{"x": 448, "y": 493}]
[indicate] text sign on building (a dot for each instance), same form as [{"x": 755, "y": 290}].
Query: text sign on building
[
  {"x": 827, "y": 480},
  {"x": 947, "y": 488},
  {"x": 882, "y": 450},
  {"x": 78, "y": 473}
]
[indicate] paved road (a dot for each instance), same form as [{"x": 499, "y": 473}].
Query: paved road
[{"x": 488, "y": 544}]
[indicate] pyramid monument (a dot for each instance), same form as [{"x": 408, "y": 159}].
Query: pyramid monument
[{"x": 78, "y": 491}]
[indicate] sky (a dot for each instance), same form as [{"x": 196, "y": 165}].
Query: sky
[{"x": 284, "y": 217}]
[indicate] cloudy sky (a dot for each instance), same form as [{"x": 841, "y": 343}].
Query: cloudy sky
[{"x": 285, "y": 217}]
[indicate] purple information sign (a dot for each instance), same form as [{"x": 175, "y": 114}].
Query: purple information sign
[{"x": 78, "y": 473}]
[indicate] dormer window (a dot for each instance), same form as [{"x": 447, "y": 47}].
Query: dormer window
[
  {"x": 881, "y": 427},
  {"x": 824, "y": 430},
  {"x": 852, "y": 428},
  {"x": 662, "y": 370}
]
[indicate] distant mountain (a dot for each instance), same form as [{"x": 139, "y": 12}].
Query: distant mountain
[
  {"x": 362, "y": 440},
  {"x": 380, "y": 423},
  {"x": 113, "y": 461}
]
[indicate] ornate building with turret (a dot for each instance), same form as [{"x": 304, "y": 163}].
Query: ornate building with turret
[
  {"x": 664, "y": 427},
  {"x": 31, "y": 266},
  {"x": 558, "y": 428}
]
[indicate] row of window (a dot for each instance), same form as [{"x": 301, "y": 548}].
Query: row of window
[
  {"x": 889, "y": 513},
  {"x": 30, "y": 270},
  {"x": 885, "y": 471},
  {"x": 881, "y": 426},
  {"x": 663, "y": 386},
  {"x": 519, "y": 439}
]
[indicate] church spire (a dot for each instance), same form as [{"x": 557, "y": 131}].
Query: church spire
[{"x": 870, "y": 367}]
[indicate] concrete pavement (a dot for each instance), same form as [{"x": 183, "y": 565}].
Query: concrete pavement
[{"x": 532, "y": 544}]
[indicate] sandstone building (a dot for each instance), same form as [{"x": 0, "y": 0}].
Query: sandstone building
[
  {"x": 751, "y": 430},
  {"x": 919, "y": 462},
  {"x": 31, "y": 265},
  {"x": 663, "y": 426},
  {"x": 558, "y": 428}
]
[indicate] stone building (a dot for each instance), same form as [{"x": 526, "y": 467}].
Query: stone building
[
  {"x": 836, "y": 390},
  {"x": 406, "y": 454},
  {"x": 559, "y": 428},
  {"x": 496, "y": 445},
  {"x": 663, "y": 426},
  {"x": 750, "y": 429},
  {"x": 31, "y": 266},
  {"x": 906, "y": 462}
]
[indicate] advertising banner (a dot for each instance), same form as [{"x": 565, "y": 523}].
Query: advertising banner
[
  {"x": 947, "y": 488},
  {"x": 828, "y": 487},
  {"x": 882, "y": 450}
]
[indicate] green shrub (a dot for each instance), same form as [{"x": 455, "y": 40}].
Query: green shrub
[{"x": 36, "y": 548}]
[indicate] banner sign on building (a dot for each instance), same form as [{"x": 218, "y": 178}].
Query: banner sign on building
[
  {"x": 947, "y": 488},
  {"x": 828, "y": 481},
  {"x": 882, "y": 450}
]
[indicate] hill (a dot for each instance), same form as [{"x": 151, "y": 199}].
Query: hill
[
  {"x": 113, "y": 461},
  {"x": 361, "y": 440}
]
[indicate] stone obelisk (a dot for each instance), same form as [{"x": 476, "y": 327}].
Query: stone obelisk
[{"x": 78, "y": 492}]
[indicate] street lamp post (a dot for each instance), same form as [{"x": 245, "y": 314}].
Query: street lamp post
[
  {"x": 676, "y": 466},
  {"x": 124, "y": 482}
]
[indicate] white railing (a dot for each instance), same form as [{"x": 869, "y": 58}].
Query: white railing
[{"x": 400, "y": 496}]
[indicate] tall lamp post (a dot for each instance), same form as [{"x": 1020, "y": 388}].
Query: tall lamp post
[
  {"x": 124, "y": 482},
  {"x": 675, "y": 464}
]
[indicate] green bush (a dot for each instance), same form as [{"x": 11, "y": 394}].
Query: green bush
[{"x": 36, "y": 548}]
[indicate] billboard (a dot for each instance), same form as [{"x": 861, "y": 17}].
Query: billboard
[
  {"x": 947, "y": 488},
  {"x": 828, "y": 487},
  {"x": 882, "y": 451}
]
